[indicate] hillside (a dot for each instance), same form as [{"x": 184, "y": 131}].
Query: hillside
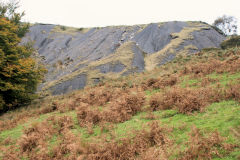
[
  {"x": 76, "y": 57},
  {"x": 186, "y": 109}
]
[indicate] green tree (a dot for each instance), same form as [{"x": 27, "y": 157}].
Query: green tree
[{"x": 19, "y": 72}]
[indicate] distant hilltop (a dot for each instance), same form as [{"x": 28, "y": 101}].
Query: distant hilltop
[{"x": 76, "y": 57}]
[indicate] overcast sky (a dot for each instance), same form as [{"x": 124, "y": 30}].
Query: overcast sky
[{"x": 93, "y": 13}]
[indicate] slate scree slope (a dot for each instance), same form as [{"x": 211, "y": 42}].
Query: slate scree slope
[{"x": 76, "y": 57}]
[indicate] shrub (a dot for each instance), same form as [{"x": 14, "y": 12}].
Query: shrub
[
  {"x": 202, "y": 147},
  {"x": 234, "y": 41},
  {"x": 233, "y": 92},
  {"x": 86, "y": 116},
  {"x": 207, "y": 80},
  {"x": 99, "y": 96},
  {"x": 159, "y": 102},
  {"x": 35, "y": 136},
  {"x": 69, "y": 145},
  {"x": 162, "y": 82},
  {"x": 123, "y": 108},
  {"x": 185, "y": 100},
  {"x": 80, "y": 29},
  {"x": 199, "y": 69},
  {"x": 131, "y": 148},
  {"x": 210, "y": 49},
  {"x": 63, "y": 123},
  {"x": 63, "y": 28},
  {"x": 49, "y": 108}
]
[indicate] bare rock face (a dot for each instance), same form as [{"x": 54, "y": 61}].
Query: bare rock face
[{"x": 78, "y": 57}]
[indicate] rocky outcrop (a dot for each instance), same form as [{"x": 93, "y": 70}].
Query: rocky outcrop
[{"x": 78, "y": 57}]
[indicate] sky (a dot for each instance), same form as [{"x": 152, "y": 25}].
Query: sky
[{"x": 99, "y": 13}]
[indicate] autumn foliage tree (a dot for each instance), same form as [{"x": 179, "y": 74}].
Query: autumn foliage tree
[{"x": 19, "y": 72}]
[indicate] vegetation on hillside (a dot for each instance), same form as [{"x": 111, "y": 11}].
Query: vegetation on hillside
[
  {"x": 19, "y": 72},
  {"x": 187, "y": 109},
  {"x": 233, "y": 41}
]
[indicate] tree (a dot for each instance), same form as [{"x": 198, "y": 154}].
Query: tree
[
  {"x": 8, "y": 10},
  {"x": 227, "y": 24},
  {"x": 19, "y": 72}
]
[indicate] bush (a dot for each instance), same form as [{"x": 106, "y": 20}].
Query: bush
[
  {"x": 211, "y": 49},
  {"x": 87, "y": 116},
  {"x": 120, "y": 109},
  {"x": 98, "y": 96},
  {"x": 234, "y": 41},
  {"x": 34, "y": 136},
  {"x": 160, "y": 83},
  {"x": 185, "y": 100},
  {"x": 133, "y": 148},
  {"x": 63, "y": 28},
  {"x": 200, "y": 69},
  {"x": 80, "y": 29},
  {"x": 124, "y": 107},
  {"x": 201, "y": 147},
  {"x": 233, "y": 92}
]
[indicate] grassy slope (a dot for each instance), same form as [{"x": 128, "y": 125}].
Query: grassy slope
[{"x": 222, "y": 116}]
